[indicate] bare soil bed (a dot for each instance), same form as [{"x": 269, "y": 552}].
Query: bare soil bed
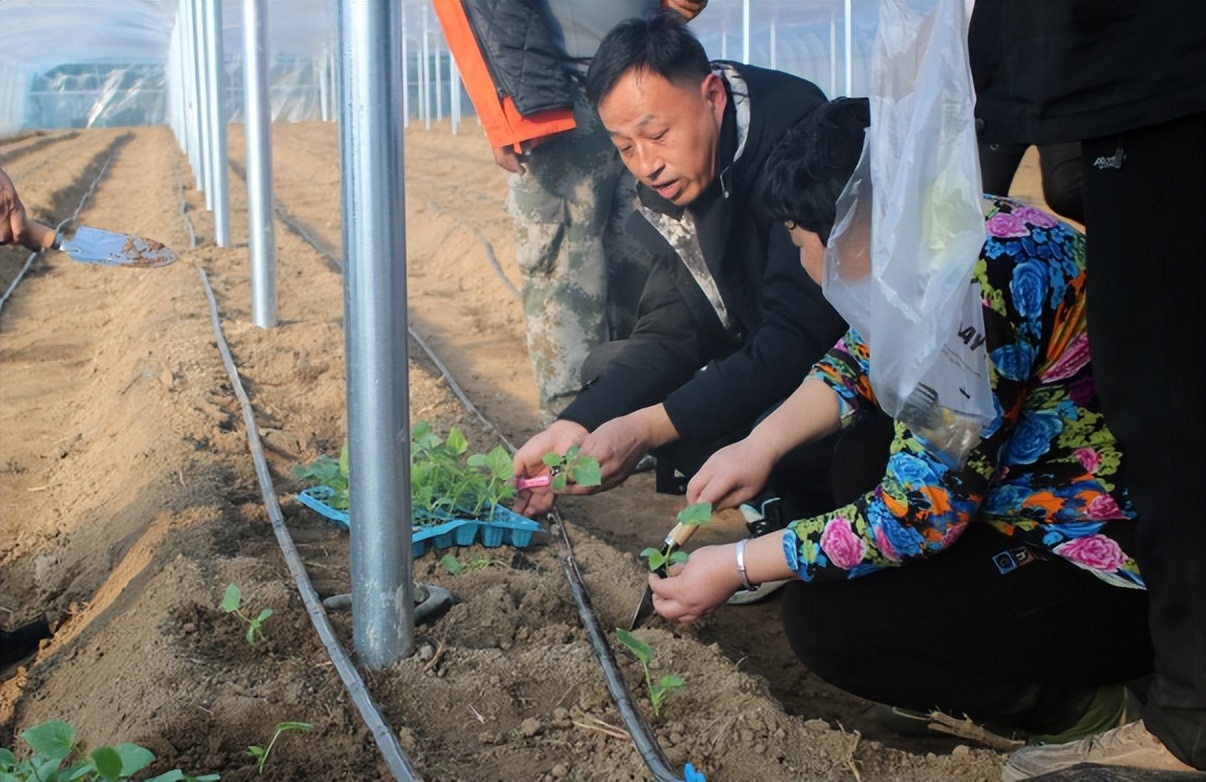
[{"x": 129, "y": 500}]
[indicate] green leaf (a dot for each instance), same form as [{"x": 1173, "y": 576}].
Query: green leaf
[
  {"x": 232, "y": 598},
  {"x": 7, "y": 759},
  {"x": 54, "y": 739},
  {"x": 476, "y": 461},
  {"x": 108, "y": 763},
  {"x": 678, "y": 557},
  {"x": 343, "y": 461},
  {"x": 551, "y": 459},
  {"x": 256, "y": 752},
  {"x": 671, "y": 681},
  {"x": 451, "y": 564},
  {"x": 457, "y": 443},
  {"x": 697, "y": 514},
  {"x": 571, "y": 453},
  {"x": 175, "y": 775},
  {"x": 267, "y": 612},
  {"x": 499, "y": 462},
  {"x": 586, "y": 472},
  {"x": 281, "y": 727},
  {"x": 559, "y": 482},
  {"x": 638, "y": 647},
  {"x": 251, "y": 633}
]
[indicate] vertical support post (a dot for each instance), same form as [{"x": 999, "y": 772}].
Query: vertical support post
[
  {"x": 849, "y": 54},
  {"x": 832, "y": 56},
  {"x": 258, "y": 132},
  {"x": 201, "y": 72},
  {"x": 454, "y": 88},
  {"x": 425, "y": 74},
  {"x": 774, "y": 29},
  {"x": 439, "y": 87},
  {"x": 374, "y": 299},
  {"x": 745, "y": 31},
  {"x": 405, "y": 78},
  {"x": 216, "y": 81}
]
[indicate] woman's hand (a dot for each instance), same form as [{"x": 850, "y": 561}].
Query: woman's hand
[
  {"x": 529, "y": 462},
  {"x": 731, "y": 475},
  {"x": 707, "y": 579}
]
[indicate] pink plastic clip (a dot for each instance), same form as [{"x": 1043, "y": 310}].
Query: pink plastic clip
[{"x": 531, "y": 483}]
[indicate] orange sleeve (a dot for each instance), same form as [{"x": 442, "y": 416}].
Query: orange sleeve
[{"x": 502, "y": 122}]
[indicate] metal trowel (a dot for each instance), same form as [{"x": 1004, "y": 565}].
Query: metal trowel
[
  {"x": 675, "y": 539},
  {"x": 100, "y": 248}
]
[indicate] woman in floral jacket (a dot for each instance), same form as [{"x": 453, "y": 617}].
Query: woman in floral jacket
[{"x": 1003, "y": 588}]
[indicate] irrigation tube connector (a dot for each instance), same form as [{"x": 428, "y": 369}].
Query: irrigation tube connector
[
  {"x": 32, "y": 256},
  {"x": 387, "y": 740}
]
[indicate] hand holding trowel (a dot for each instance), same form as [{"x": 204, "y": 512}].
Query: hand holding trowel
[
  {"x": 690, "y": 519},
  {"x": 101, "y": 248}
]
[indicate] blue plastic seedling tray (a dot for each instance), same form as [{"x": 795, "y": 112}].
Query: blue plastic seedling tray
[{"x": 505, "y": 528}]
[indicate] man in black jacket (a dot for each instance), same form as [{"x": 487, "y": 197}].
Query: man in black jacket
[{"x": 728, "y": 323}]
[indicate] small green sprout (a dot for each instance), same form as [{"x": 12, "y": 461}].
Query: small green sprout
[
  {"x": 230, "y": 604},
  {"x": 261, "y": 753},
  {"x": 582, "y": 468},
  {"x": 694, "y": 515},
  {"x": 644, "y": 653}
]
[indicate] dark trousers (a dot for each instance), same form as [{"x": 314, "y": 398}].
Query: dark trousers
[
  {"x": 1059, "y": 165},
  {"x": 1145, "y": 191},
  {"x": 1024, "y": 648}
]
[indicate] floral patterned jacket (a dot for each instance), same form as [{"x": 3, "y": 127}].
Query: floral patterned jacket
[{"x": 1047, "y": 469}]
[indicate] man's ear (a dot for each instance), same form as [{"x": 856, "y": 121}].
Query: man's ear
[{"x": 714, "y": 94}]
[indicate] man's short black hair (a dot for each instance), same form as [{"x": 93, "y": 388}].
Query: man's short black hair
[
  {"x": 812, "y": 163},
  {"x": 659, "y": 43}
]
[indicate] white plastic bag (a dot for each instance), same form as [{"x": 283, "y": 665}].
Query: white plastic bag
[{"x": 917, "y": 309}]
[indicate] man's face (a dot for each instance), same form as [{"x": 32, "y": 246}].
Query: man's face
[{"x": 667, "y": 133}]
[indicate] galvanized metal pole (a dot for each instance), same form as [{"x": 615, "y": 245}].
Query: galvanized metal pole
[
  {"x": 745, "y": 31},
  {"x": 774, "y": 29},
  {"x": 405, "y": 79},
  {"x": 454, "y": 88},
  {"x": 439, "y": 87},
  {"x": 833, "y": 55},
  {"x": 258, "y": 131},
  {"x": 849, "y": 54},
  {"x": 374, "y": 301},
  {"x": 212, "y": 12},
  {"x": 425, "y": 73},
  {"x": 200, "y": 52}
]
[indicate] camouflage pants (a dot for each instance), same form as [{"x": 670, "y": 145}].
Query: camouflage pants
[{"x": 581, "y": 274}]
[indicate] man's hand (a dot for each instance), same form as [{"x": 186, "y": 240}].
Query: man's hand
[
  {"x": 12, "y": 213},
  {"x": 731, "y": 475},
  {"x": 688, "y": 9},
  {"x": 506, "y": 158},
  {"x": 529, "y": 462}
]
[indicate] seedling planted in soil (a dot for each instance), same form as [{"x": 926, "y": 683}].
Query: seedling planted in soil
[
  {"x": 55, "y": 759},
  {"x": 693, "y": 516},
  {"x": 230, "y": 604},
  {"x": 261, "y": 753},
  {"x": 644, "y": 652}
]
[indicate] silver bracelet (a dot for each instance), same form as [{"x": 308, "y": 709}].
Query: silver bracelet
[{"x": 745, "y": 579}]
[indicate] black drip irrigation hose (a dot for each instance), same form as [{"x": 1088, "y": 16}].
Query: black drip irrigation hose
[
  {"x": 638, "y": 728},
  {"x": 387, "y": 740},
  {"x": 634, "y": 719},
  {"x": 33, "y": 256}
]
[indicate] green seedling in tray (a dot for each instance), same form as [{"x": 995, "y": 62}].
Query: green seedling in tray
[{"x": 644, "y": 653}]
